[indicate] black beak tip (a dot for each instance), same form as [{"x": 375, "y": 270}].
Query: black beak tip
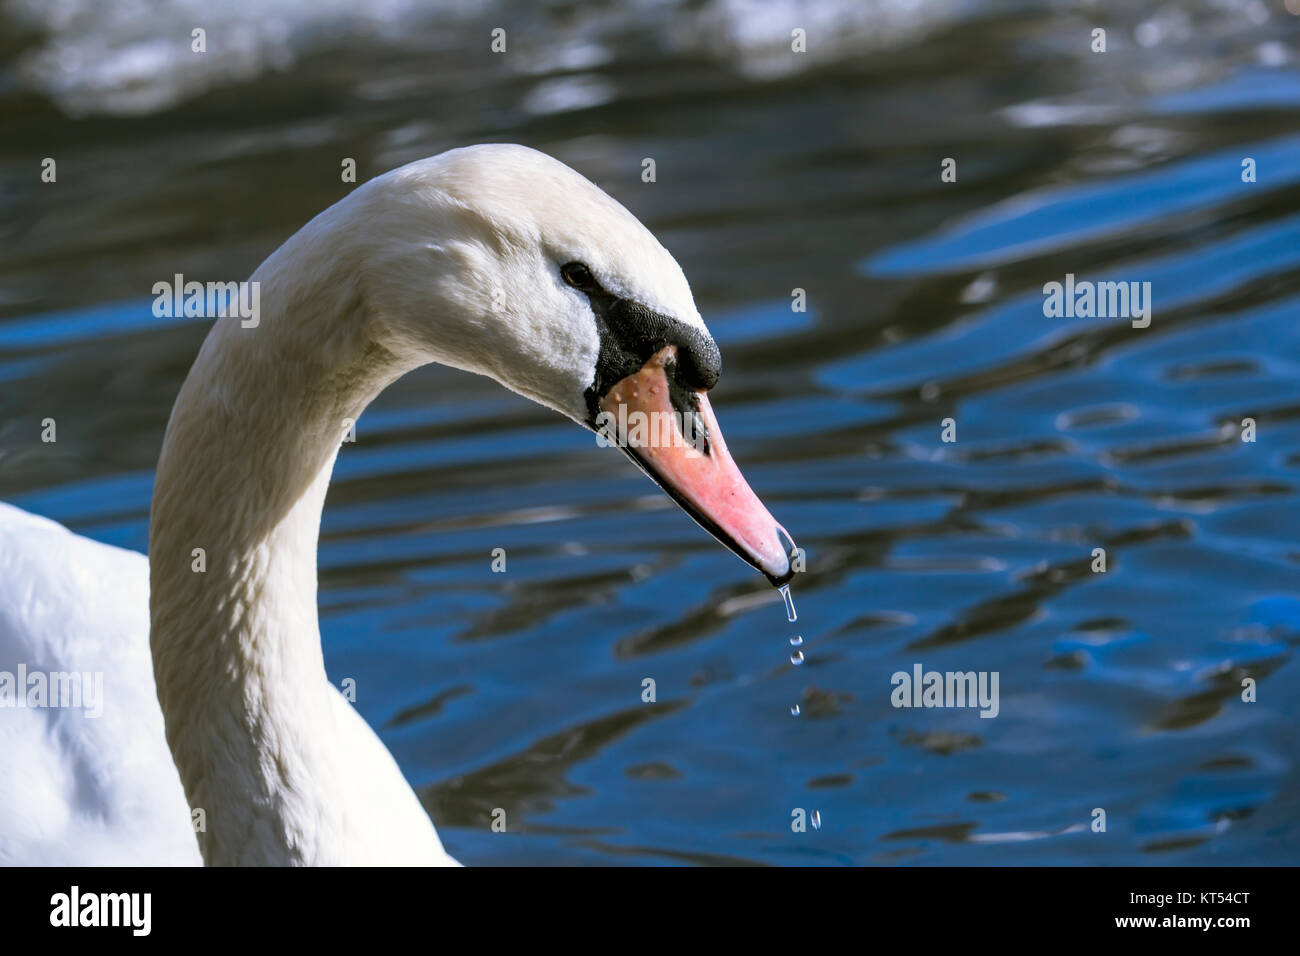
[{"x": 783, "y": 579}]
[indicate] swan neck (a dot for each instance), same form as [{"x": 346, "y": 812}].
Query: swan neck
[{"x": 241, "y": 482}]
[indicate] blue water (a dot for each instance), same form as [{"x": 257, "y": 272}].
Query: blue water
[{"x": 1119, "y": 691}]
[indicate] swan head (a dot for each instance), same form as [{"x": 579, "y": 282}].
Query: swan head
[{"x": 501, "y": 260}]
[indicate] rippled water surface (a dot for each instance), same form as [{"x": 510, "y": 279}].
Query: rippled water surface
[{"x": 522, "y": 690}]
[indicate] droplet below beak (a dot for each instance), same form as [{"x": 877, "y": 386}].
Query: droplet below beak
[{"x": 695, "y": 469}]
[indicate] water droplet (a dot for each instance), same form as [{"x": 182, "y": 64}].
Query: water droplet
[
  {"x": 795, "y": 710},
  {"x": 815, "y": 818},
  {"x": 790, "y": 614},
  {"x": 796, "y": 640},
  {"x": 796, "y": 658}
]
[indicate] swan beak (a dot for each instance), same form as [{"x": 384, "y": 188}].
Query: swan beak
[{"x": 672, "y": 435}]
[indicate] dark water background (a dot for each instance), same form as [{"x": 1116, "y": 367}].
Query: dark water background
[{"x": 522, "y": 691}]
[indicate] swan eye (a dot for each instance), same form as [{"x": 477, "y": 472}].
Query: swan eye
[{"x": 579, "y": 276}]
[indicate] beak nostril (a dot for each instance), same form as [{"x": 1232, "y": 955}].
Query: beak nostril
[
  {"x": 699, "y": 436},
  {"x": 685, "y": 400}
]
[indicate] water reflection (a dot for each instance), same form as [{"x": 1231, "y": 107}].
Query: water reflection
[{"x": 522, "y": 691}]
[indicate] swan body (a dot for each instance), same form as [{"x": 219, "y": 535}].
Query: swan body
[
  {"x": 76, "y": 789},
  {"x": 494, "y": 259}
]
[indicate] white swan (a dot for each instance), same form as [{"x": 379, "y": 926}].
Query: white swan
[{"x": 496, "y": 259}]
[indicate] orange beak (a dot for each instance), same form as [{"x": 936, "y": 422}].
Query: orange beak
[{"x": 679, "y": 445}]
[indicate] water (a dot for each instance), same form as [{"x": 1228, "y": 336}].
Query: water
[
  {"x": 790, "y": 614},
  {"x": 1118, "y": 689}
]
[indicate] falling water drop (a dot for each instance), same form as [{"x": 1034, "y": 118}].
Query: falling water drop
[
  {"x": 790, "y": 615},
  {"x": 796, "y": 658},
  {"x": 815, "y": 818}
]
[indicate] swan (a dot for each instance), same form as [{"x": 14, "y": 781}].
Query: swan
[{"x": 221, "y": 739}]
